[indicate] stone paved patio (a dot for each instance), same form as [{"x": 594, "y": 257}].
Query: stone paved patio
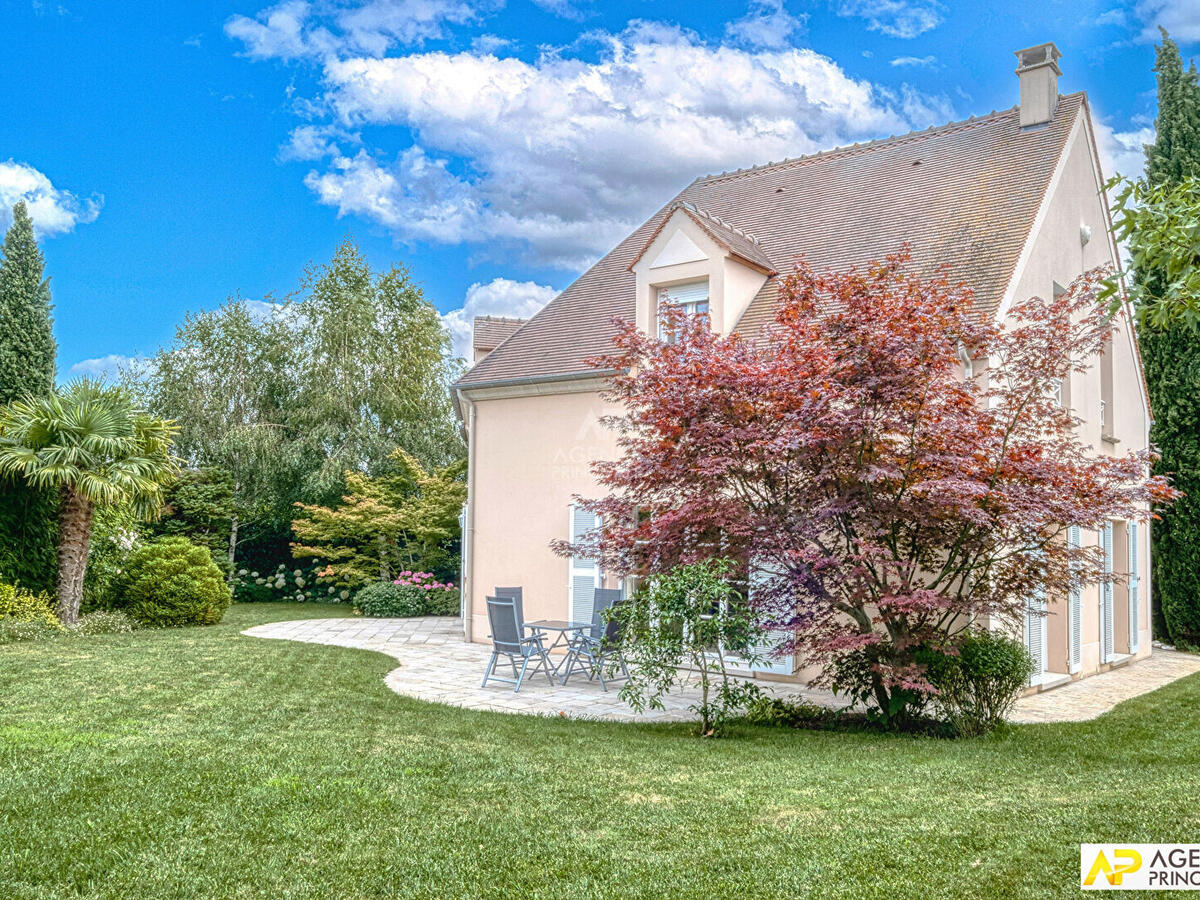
[{"x": 437, "y": 665}]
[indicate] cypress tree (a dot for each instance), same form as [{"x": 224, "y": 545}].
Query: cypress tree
[
  {"x": 1172, "y": 360},
  {"x": 28, "y": 529}
]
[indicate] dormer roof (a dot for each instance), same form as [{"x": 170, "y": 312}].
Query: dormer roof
[{"x": 733, "y": 240}]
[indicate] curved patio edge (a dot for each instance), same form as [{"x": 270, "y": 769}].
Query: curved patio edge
[{"x": 437, "y": 665}]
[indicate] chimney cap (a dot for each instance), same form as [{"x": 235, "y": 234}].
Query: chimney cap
[{"x": 1038, "y": 55}]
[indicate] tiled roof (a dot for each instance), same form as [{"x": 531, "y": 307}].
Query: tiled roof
[
  {"x": 489, "y": 332},
  {"x": 963, "y": 195}
]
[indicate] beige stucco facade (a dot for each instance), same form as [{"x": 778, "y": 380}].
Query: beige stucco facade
[
  {"x": 1073, "y": 235},
  {"x": 532, "y": 444}
]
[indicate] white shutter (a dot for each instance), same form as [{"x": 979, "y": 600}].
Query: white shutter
[
  {"x": 1106, "y": 596},
  {"x": 1133, "y": 587},
  {"x": 1035, "y": 631},
  {"x": 1075, "y": 610},
  {"x": 584, "y": 575},
  {"x": 780, "y": 665}
]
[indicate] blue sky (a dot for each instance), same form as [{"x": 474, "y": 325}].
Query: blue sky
[{"x": 177, "y": 153}]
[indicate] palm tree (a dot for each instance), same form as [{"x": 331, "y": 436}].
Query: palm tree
[{"x": 90, "y": 442}]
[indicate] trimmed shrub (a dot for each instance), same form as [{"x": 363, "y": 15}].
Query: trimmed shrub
[
  {"x": 172, "y": 582},
  {"x": 103, "y": 621},
  {"x": 412, "y": 594},
  {"x": 978, "y": 687},
  {"x": 26, "y": 606}
]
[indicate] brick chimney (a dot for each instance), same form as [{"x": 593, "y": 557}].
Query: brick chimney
[{"x": 1037, "y": 68}]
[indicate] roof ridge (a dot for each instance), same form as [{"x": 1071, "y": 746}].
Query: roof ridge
[
  {"x": 490, "y": 318},
  {"x": 860, "y": 146},
  {"x": 712, "y": 217}
]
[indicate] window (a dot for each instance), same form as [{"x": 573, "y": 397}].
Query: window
[{"x": 691, "y": 297}]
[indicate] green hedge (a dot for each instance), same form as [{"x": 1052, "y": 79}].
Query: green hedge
[
  {"x": 171, "y": 582},
  {"x": 404, "y": 600}
]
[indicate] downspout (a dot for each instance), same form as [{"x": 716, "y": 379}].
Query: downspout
[{"x": 467, "y": 579}]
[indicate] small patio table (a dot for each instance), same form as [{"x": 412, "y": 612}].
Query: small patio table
[{"x": 566, "y": 632}]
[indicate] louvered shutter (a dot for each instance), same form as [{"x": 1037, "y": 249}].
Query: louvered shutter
[
  {"x": 1106, "y": 596},
  {"x": 1035, "y": 632},
  {"x": 1075, "y": 609},
  {"x": 1134, "y": 586},
  {"x": 584, "y": 575}
]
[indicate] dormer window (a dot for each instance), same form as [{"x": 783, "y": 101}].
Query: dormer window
[{"x": 691, "y": 297}]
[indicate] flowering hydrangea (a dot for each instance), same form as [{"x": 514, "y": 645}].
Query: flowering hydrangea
[{"x": 423, "y": 580}]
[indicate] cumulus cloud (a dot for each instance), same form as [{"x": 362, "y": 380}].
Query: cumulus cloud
[
  {"x": 1121, "y": 152},
  {"x": 895, "y": 18},
  {"x": 295, "y": 29},
  {"x": 53, "y": 211},
  {"x": 1180, "y": 17},
  {"x": 563, "y": 156},
  {"x": 498, "y": 297},
  {"x": 766, "y": 24},
  {"x": 108, "y": 367}
]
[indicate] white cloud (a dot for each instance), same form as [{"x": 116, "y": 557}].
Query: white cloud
[
  {"x": 309, "y": 142},
  {"x": 564, "y": 8},
  {"x": 1115, "y": 16},
  {"x": 915, "y": 61},
  {"x": 53, "y": 211},
  {"x": 766, "y": 24},
  {"x": 294, "y": 29},
  {"x": 108, "y": 367},
  {"x": 488, "y": 44},
  {"x": 498, "y": 297},
  {"x": 895, "y": 18},
  {"x": 564, "y": 156},
  {"x": 1121, "y": 152},
  {"x": 1181, "y": 18}
]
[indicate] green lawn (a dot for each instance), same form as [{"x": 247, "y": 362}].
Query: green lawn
[{"x": 201, "y": 763}]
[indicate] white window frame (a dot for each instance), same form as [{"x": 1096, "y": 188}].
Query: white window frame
[
  {"x": 1074, "y": 608},
  {"x": 1107, "y": 648},
  {"x": 1131, "y": 530}
]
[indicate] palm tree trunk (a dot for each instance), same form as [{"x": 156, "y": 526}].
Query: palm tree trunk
[{"x": 75, "y": 535}]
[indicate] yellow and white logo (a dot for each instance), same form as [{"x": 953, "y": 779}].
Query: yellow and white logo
[{"x": 1139, "y": 867}]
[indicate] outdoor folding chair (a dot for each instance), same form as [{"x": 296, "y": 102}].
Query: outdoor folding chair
[
  {"x": 507, "y": 641},
  {"x": 600, "y": 646},
  {"x": 514, "y": 594}
]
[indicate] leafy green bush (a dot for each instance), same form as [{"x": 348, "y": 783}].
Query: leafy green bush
[
  {"x": 285, "y": 585},
  {"x": 103, "y": 621},
  {"x": 13, "y": 629},
  {"x": 412, "y": 594},
  {"x": 978, "y": 687},
  {"x": 170, "y": 582},
  {"x": 26, "y": 606},
  {"x": 114, "y": 536},
  {"x": 774, "y": 711}
]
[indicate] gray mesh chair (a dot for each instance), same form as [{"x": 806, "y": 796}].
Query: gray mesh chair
[
  {"x": 599, "y": 646},
  {"x": 514, "y": 594},
  {"x": 507, "y": 640}
]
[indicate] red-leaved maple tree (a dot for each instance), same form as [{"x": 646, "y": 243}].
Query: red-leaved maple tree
[{"x": 883, "y": 499}]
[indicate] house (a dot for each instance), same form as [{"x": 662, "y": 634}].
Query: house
[{"x": 1012, "y": 201}]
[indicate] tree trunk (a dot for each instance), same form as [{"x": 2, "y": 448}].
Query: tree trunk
[
  {"x": 74, "y": 540},
  {"x": 233, "y": 533}
]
